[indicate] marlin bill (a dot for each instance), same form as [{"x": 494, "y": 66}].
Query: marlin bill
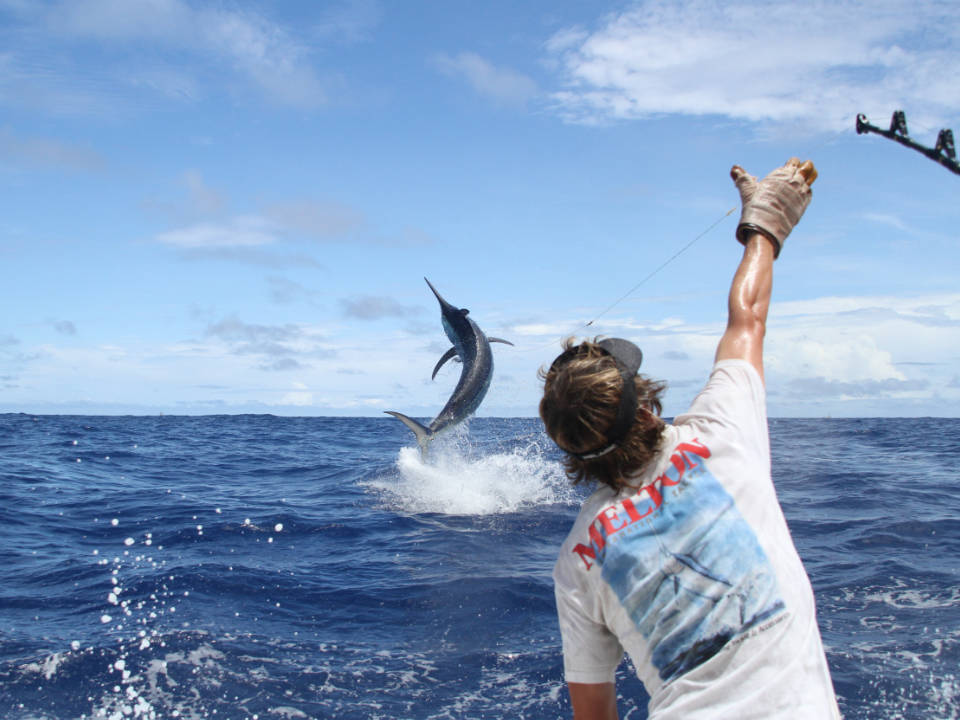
[{"x": 472, "y": 348}]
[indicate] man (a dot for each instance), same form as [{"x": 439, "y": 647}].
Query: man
[{"x": 682, "y": 557}]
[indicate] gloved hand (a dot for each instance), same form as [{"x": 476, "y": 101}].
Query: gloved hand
[{"x": 774, "y": 205}]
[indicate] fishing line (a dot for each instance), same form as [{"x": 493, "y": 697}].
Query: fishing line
[
  {"x": 829, "y": 140},
  {"x": 636, "y": 287},
  {"x": 662, "y": 266}
]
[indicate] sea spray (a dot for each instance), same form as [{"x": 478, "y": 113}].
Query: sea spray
[{"x": 457, "y": 478}]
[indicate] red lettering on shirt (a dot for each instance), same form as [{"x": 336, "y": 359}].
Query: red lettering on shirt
[
  {"x": 586, "y": 551},
  {"x": 610, "y": 521},
  {"x": 607, "y": 517}
]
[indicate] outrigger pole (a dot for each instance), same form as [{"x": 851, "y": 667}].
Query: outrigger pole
[{"x": 944, "y": 153}]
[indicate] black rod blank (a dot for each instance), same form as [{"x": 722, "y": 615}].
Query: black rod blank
[{"x": 944, "y": 152}]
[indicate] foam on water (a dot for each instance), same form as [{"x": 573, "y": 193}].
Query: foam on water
[{"x": 458, "y": 479}]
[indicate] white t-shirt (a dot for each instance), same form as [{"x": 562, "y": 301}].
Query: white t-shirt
[{"x": 692, "y": 572}]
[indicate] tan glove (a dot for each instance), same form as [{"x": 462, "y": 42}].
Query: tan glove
[{"x": 773, "y": 206}]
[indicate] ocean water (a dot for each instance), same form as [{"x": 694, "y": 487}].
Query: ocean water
[{"x": 281, "y": 568}]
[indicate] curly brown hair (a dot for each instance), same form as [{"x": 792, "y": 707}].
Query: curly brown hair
[{"x": 579, "y": 407}]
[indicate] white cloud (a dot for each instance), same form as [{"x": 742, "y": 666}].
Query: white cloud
[
  {"x": 881, "y": 355},
  {"x": 875, "y": 349},
  {"x": 298, "y": 398},
  {"x": 240, "y": 232},
  {"x": 813, "y": 64},
  {"x": 497, "y": 83},
  {"x": 833, "y": 356}
]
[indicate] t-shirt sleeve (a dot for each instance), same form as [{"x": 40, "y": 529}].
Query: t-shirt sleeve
[
  {"x": 734, "y": 397},
  {"x": 591, "y": 653}
]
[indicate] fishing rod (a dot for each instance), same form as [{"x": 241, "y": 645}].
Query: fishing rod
[{"x": 944, "y": 152}]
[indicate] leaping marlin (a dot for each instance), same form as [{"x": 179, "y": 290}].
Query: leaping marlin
[{"x": 472, "y": 348}]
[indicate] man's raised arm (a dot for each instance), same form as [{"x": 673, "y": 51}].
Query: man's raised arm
[{"x": 771, "y": 208}]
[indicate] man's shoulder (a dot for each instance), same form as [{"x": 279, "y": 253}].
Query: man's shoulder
[{"x": 734, "y": 389}]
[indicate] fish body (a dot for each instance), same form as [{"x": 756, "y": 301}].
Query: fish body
[{"x": 472, "y": 347}]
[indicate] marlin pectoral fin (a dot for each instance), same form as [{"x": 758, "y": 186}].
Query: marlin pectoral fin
[
  {"x": 499, "y": 340},
  {"x": 452, "y": 352}
]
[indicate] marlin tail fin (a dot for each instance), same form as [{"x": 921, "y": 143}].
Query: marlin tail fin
[{"x": 424, "y": 436}]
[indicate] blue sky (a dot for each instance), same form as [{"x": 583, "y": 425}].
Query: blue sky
[{"x": 231, "y": 207}]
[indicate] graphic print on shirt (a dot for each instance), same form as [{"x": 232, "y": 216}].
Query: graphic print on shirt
[{"x": 683, "y": 562}]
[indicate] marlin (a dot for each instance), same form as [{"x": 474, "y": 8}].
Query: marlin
[{"x": 472, "y": 348}]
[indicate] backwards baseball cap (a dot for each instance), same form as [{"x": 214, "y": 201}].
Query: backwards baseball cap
[{"x": 628, "y": 358}]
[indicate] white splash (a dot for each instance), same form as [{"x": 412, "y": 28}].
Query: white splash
[
  {"x": 48, "y": 668},
  {"x": 455, "y": 480}
]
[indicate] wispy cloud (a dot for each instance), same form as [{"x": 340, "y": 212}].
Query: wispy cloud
[
  {"x": 370, "y": 307},
  {"x": 347, "y": 22},
  {"x": 33, "y": 151},
  {"x": 242, "y": 42},
  {"x": 821, "y": 388},
  {"x": 194, "y": 200},
  {"x": 264, "y": 257},
  {"x": 888, "y": 220},
  {"x": 232, "y": 329},
  {"x": 284, "y": 291},
  {"x": 64, "y": 327},
  {"x": 500, "y": 84},
  {"x": 253, "y": 237},
  {"x": 317, "y": 220},
  {"x": 211, "y": 232},
  {"x": 244, "y": 231},
  {"x": 275, "y": 347},
  {"x": 812, "y": 64},
  {"x": 930, "y": 310},
  {"x": 204, "y": 200}
]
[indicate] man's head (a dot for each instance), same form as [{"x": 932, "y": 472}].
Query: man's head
[{"x": 600, "y": 412}]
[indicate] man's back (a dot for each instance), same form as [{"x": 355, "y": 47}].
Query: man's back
[{"x": 692, "y": 571}]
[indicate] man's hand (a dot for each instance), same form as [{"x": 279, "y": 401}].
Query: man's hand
[{"x": 774, "y": 205}]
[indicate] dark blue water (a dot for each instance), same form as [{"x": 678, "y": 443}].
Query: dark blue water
[{"x": 264, "y": 567}]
